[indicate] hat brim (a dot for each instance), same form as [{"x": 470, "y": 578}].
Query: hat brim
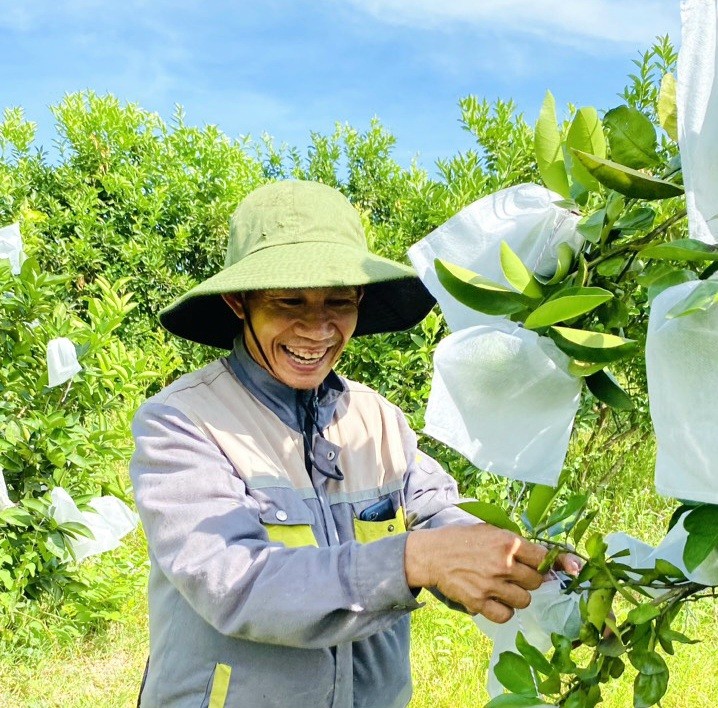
[{"x": 394, "y": 297}]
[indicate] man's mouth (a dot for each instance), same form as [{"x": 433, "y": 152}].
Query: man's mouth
[{"x": 306, "y": 357}]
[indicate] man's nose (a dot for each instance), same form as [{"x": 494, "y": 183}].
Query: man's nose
[{"x": 316, "y": 322}]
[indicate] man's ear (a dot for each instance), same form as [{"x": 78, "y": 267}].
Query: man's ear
[{"x": 235, "y": 303}]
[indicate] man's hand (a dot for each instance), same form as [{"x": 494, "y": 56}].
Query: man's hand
[{"x": 485, "y": 569}]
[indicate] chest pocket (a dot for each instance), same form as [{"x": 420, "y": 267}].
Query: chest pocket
[
  {"x": 286, "y": 518},
  {"x": 368, "y": 531}
]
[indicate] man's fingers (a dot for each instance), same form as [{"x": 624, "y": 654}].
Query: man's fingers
[
  {"x": 512, "y": 596},
  {"x": 525, "y": 576},
  {"x": 569, "y": 563},
  {"x": 529, "y": 553},
  {"x": 496, "y": 611}
]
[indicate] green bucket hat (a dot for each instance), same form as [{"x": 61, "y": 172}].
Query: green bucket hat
[{"x": 297, "y": 234}]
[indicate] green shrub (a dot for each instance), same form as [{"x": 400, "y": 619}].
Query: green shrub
[{"x": 70, "y": 435}]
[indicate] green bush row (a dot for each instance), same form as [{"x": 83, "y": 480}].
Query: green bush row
[{"x": 130, "y": 213}]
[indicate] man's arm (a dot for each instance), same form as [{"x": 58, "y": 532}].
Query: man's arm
[{"x": 477, "y": 566}]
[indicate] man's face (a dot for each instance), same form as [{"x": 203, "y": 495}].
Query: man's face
[{"x": 301, "y": 331}]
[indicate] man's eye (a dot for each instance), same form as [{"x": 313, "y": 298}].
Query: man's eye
[
  {"x": 290, "y": 301},
  {"x": 344, "y": 303}
]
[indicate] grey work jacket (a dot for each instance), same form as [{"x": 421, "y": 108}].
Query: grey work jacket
[{"x": 265, "y": 589}]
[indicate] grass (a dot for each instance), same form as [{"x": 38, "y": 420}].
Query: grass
[{"x": 449, "y": 655}]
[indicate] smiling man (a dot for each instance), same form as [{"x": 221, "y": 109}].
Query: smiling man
[
  {"x": 275, "y": 494},
  {"x": 303, "y": 331}
]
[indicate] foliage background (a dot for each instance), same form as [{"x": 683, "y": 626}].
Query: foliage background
[{"x": 134, "y": 212}]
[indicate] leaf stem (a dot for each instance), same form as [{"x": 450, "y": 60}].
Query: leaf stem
[{"x": 640, "y": 243}]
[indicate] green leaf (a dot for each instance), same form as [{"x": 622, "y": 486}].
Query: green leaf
[
  {"x": 15, "y": 516},
  {"x": 685, "y": 249},
  {"x": 668, "y": 280},
  {"x": 702, "y": 527},
  {"x": 564, "y": 259},
  {"x": 36, "y": 505},
  {"x": 75, "y": 529},
  {"x": 514, "y": 673},
  {"x": 551, "y": 684},
  {"x": 605, "y": 388},
  {"x": 672, "y": 635},
  {"x": 572, "y": 507},
  {"x": 617, "y": 668},
  {"x": 547, "y": 148},
  {"x": 631, "y": 137},
  {"x": 701, "y": 299},
  {"x": 539, "y": 500},
  {"x": 518, "y": 275},
  {"x": 591, "y": 225},
  {"x": 615, "y": 204},
  {"x": 55, "y": 543},
  {"x": 548, "y": 561},
  {"x": 667, "y": 111},
  {"x": 598, "y": 605},
  {"x": 568, "y": 304},
  {"x": 477, "y": 292},
  {"x": 581, "y": 271},
  {"x": 561, "y": 658},
  {"x": 626, "y": 180},
  {"x": 7, "y": 580},
  {"x": 581, "y": 369},
  {"x": 593, "y": 347},
  {"x": 643, "y": 613},
  {"x": 669, "y": 570},
  {"x": 612, "y": 266},
  {"x": 651, "y": 682},
  {"x": 614, "y": 314},
  {"x": 611, "y": 646},
  {"x": 596, "y": 547},
  {"x": 533, "y": 656},
  {"x": 578, "y": 698},
  {"x": 586, "y": 135},
  {"x": 582, "y": 526},
  {"x": 639, "y": 219},
  {"x": 491, "y": 514}
]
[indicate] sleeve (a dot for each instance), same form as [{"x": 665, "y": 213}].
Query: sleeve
[
  {"x": 205, "y": 537},
  {"x": 430, "y": 495}
]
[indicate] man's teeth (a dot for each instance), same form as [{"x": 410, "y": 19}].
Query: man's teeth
[{"x": 303, "y": 356}]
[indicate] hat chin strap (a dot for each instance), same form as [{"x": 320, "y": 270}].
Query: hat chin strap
[{"x": 248, "y": 321}]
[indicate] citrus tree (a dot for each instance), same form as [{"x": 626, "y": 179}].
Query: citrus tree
[{"x": 621, "y": 173}]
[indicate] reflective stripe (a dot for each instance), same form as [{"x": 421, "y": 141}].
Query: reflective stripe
[
  {"x": 368, "y": 531},
  {"x": 291, "y": 535},
  {"x": 220, "y": 686}
]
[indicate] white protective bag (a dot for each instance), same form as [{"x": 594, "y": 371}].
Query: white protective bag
[
  {"x": 642, "y": 555},
  {"x": 11, "y": 246},
  {"x": 525, "y": 216},
  {"x": 5, "y": 501},
  {"x": 682, "y": 373},
  {"x": 109, "y": 521},
  {"x": 697, "y": 105},
  {"x": 501, "y": 395},
  {"x": 62, "y": 362},
  {"x": 550, "y": 611}
]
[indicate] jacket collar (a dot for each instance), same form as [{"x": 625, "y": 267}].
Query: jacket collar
[{"x": 280, "y": 398}]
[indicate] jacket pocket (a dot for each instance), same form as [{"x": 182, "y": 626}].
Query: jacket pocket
[
  {"x": 368, "y": 531},
  {"x": 218, "y": 687},
  {"x": 286, "y": 518}
]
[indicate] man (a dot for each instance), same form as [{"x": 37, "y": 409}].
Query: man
[{"x": 276, "y": 495}]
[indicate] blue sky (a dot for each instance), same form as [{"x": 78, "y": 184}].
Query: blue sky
[{"x": 288, "y": 67}]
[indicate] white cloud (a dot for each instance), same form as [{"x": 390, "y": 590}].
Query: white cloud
[{"x": 614, "y": 21}]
